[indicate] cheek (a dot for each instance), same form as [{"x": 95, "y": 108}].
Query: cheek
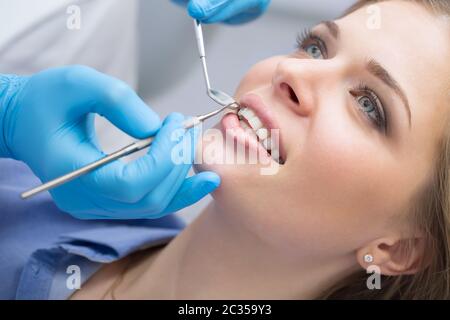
[{"x": 348, "y": 186}]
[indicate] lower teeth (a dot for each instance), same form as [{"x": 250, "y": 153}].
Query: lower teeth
[{"x": 265, "y": 143}]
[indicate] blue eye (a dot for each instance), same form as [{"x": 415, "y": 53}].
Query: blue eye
[
  {"x": 312, "y": 44},
  {"x": 371, "y": 106},
  {"x": 314, "y": 51},
  {"x": 367, "y": 105}
]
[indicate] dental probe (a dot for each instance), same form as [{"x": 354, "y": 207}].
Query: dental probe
[{"x": 130, "y": 149}]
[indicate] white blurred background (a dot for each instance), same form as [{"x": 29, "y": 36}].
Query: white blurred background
[{"x": 161, "y": 62}]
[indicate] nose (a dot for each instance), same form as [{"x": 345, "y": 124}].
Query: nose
[{"x": 298, "y": 82}]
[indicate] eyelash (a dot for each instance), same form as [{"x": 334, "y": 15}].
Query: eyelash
[
  {"x": 380, "y": 120},
  {"x": 308, "y": 36},
  {"x": 360, "y": 91}
]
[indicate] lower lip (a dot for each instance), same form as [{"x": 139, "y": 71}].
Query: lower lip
[{"x": 232, "y": 128}]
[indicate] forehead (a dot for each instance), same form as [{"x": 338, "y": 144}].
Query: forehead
[{"x": 411, "y": 42}]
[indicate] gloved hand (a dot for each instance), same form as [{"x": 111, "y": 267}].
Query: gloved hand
[
  {"x": 47, "y": 121},
  {"x": 228, "y": 11}
]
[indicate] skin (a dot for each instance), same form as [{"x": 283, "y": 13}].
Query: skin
[{"x": 344, "y": 189}]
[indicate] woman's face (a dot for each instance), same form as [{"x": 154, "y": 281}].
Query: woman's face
[{"x": 360, "y": 108}]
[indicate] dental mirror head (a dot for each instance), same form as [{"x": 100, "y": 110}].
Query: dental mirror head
[{"x": 221, "y": 97}]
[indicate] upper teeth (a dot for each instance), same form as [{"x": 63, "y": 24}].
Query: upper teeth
[
  {"x": 255, "y": 124},
  {"x": 262, "y": 133}
]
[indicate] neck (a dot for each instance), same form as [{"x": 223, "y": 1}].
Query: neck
[{"x": 214, "y": 259}]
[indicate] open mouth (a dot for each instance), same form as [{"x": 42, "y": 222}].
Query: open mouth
[
  {"x": 258, "y": 122},
  {"x": 250, "y": 122}
]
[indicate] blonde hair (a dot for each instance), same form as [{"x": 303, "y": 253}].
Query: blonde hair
[{"x": 430, "y": 214}]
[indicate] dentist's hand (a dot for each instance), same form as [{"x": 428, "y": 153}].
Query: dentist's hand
[
  {"x": 47, "y": 121},
  {"x": 228, "y": 11}
]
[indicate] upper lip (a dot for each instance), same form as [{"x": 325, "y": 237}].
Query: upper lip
[{"x": 255, "y": 103}]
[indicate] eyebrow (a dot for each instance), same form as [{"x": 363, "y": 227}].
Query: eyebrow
[
  {"x": 332, "y": 27},
  {"x": 377, "y": 70}
]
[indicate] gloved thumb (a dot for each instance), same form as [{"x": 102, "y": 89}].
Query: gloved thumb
[{"x": 193, "y": 190}]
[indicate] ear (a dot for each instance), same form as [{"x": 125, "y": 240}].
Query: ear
[{"x": 394, "y": 256}]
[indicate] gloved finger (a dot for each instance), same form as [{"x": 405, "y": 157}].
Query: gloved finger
[
  {"x": 131, "y": 182},
  {"x": 111, "y": 98},
  {"x": 212, "y": 11},
  {"x": 153, "y": 205},
  {"x": 193, "y": 190},
  {"x": 238, "y": 19},
  {"x": 170, "y": 188}
]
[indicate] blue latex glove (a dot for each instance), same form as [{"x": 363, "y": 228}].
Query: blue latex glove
[
  {"x": 228, "y": 11},
  {"x": 47, "y": 121}
]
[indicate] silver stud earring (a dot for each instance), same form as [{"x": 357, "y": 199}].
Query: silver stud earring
[{"x": 368, "y": 258}]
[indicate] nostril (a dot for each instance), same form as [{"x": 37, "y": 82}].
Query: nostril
[
  {"x": 289, "y": 91},
  {"x": 293, "y": 95}
]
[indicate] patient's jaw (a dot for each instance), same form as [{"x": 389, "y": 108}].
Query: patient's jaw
[{"x": 347, "y": 179}]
